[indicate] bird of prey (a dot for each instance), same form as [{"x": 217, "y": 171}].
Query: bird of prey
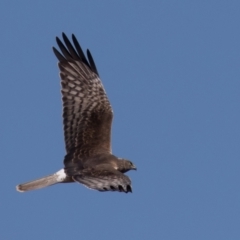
[{"x": 87, "y": 120}]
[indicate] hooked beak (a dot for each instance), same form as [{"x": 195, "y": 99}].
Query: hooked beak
[{"x": 134, "y": 167}]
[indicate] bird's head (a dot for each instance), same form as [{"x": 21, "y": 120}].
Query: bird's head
[{"x": 126, "y": 165}]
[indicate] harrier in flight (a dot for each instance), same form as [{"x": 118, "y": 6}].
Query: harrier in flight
[{"x": 87, "y": 120}]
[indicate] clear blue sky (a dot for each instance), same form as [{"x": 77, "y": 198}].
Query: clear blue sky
[{"x": 171, "y": 70}]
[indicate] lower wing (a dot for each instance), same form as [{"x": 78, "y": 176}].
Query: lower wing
[{"x": 104, "y": 180}]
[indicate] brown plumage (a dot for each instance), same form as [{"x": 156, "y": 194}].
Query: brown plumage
[{"x": 87, "y": 120}]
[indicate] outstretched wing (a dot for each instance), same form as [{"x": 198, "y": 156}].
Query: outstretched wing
[
  {"x": 104, "y": 180},
  {"x": 87, "y": 113}
]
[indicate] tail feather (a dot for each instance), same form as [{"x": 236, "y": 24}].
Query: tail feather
[{"x": 46, "y": 181}]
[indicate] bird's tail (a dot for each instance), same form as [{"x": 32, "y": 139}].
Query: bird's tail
[{"x": 57, "y": 177}]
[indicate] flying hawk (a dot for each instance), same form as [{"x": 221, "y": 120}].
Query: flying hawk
[{"x": 87, "y": 120}]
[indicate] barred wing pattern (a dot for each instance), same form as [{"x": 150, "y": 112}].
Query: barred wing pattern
[
  {"x": 87, "y": 113},
  {"x": 104, "y": 180}
]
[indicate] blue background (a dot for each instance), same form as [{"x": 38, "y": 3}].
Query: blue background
[{"x": 171, "y": 70}]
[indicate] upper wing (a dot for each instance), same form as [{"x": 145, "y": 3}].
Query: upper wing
[
  {"x": 87, "y": 113},
  {"x": 104, "y": 180}
]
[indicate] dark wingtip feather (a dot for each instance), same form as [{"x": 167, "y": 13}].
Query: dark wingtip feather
[
  {"x": 79, "y": 50},
  {"x": 64, "y": 35},
  {"x": 91, "y": 61},
  {"x": 64, "y": 50},
  {"x": 70, "y": 47},
  {"x": 59, "y": 56},
  {"x": 71, "y": 52},
  {"x": 129, "y": 189},
  {"x": 120, "y": 188}
]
